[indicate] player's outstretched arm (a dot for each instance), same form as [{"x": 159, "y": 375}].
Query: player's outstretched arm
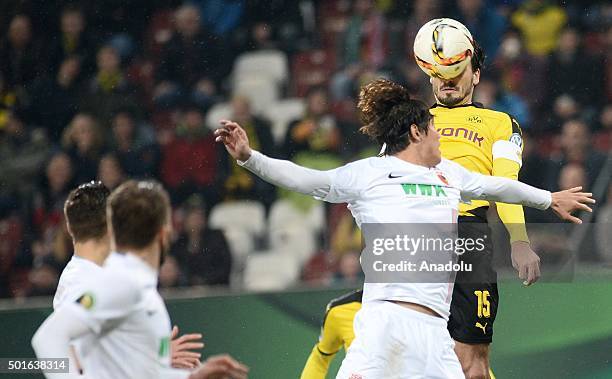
[
  {"x": 276, "y": 171},
  {"x": 53, "y": 337},
  {"x": 220, "y": 367},
  {"x": 563, "y": 203},
  {"x": 181, "y": 349}
]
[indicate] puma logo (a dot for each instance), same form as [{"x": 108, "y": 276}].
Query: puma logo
[{"x": 479, "y": 325}]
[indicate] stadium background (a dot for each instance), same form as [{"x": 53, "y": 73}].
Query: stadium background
[{"x": 112, "y": 90}]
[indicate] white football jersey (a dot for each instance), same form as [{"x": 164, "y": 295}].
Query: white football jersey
[
  {"x": 389, "y": 190},
  {"x": 123, "y": 309},
  {"x": 71, "y": 278}
]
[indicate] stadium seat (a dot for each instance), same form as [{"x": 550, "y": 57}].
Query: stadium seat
[
  {"x": 267, "y": 63},
  {"x": 218, "y": 112},
  {"x": 296, "y": 241},
  {"x": 282, "y": 113},
  {"x": 261, "y": 91},
  {"x": 248, "y": 216},
  {"x": 283, "y": 214},
  {"x": 271, "y": 271}
]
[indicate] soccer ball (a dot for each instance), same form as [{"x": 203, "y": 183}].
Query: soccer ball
[{"x": 443, "y": 48}]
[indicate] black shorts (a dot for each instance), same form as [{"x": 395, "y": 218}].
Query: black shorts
[{"x": 475, "y": 297}]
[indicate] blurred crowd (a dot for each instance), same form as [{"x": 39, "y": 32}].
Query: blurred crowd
[{"x": 111, "y": 90}]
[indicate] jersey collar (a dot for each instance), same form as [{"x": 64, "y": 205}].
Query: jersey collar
[{"x": 473, "y": 104}]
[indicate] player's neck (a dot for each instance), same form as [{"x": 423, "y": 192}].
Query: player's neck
[
  {"x": 150, "y": 255},
  {"x": 93, "y": 250},
  {"x": 414, "y": 154}
]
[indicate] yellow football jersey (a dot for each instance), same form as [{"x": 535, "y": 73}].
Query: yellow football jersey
[
  {"x": 488, "y": 142},
  {"x": 336, "y": 332}
]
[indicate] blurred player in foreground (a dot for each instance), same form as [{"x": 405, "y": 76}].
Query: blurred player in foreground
[
  {"x": 336, "y": 332},
  {"x": 403, "y": 323},
  {"x": 490, "y": 143},
  {"x": 119, "y": 315},
  {"x": 85, "y": 213}
]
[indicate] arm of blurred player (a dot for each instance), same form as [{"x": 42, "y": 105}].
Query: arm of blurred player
[
  {"x": 180, "y": 349},
  {"x": 52, "y": 339}
]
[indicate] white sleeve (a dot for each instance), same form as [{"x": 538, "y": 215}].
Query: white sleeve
[
  {"x": 334, "y": 186},
  {"x": 106, "y": 299},
  {"x": 52, "y": 339},
  {"x": 504, "y": 190}
]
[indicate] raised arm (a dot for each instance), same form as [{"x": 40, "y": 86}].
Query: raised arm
[
  {"x": 276, "y": 171},
  {"x": 477, "y": 186}
]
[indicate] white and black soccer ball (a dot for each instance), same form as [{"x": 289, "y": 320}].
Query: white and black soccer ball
[{"x": 443, "y": 48}]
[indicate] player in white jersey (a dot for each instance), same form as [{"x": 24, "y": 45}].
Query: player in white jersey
[
  {"x": 85, "y": 214},
  {"x": 400, "y": 332},
  {"x": 119, "y": 308}
]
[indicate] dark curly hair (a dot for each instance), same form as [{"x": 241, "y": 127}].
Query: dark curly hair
[
  {"x": 85, "y": 210},
  {"x": 387, "y": 112}
]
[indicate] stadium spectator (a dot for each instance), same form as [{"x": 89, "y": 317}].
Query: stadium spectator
[
  {"x": 84, "y": 142},
  {"x": 20, "y": 61},
  {"x": 363, "y": 49},
  {"x": 109, "y": 88},
  {"x": 485, "y": 22},
  {"x": 191, "y": 63},
  {"x": 492, "y": 96},
  {"x": 241, "y": 184},
  {"x": 23, "y": 152},
  {"x": 55, "y": 97},
  {"x": 191, "y": 162},
  {"x": 8, "y": 101},
  {"x": 540, "y": 23},
  {"x": 133, "y": 143},
  {"x": 575, "y": 141},
  {"x": 169, "y": 273},
  {"x": 203, "y": 253},
  {"x": 316, "y": 131},
  {"x": 42, "y": 280},
  {"x": 564, "y": 109},
  {"x": 349, "y": 270},
  {"x": 72, "y": 41},
  {"x": 569, "y": 59},
  {"x": 110, "y": 172},
  {"x": 221, "y": 17},
  {"x": 47, "y": 205}
]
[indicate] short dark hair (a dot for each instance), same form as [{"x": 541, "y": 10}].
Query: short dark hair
[
  {"x": 387, "y": 112},
  {"x": 478, "y": 58},
  {"x": 85, "y": 210},
  {"x": 137, "y": 211}
]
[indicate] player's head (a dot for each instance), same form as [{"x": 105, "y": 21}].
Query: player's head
[
  {"x": 459, "y": 90},
  {"x": 392, "y": 118},
  {"x": 85, "y": 211},
  {"x": 139, "y": 216}
]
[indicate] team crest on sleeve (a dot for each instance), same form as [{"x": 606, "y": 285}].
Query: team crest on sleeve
[
  {"x": 86, "y": 300},
  {"x": 516, "y": 139}
]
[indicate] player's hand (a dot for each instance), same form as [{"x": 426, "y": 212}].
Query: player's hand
[
  {"x": 220, "y": 367},
  {"x": 180, "y": 349},
  {"x": 567, "y": 201},
  {"x": 526, "y": 262},
  {"x": 235, "y": 140}
]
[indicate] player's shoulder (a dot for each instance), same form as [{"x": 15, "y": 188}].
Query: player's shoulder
[
  {"x": 110, "y": 289},
  {"x": 351, "y": 297},
  {"x": 501, "y": 119}
]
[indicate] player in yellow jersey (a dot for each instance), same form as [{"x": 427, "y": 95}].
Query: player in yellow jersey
[
  {"x": 336, "y": 332},
  {"x": 490, "y": 143}
]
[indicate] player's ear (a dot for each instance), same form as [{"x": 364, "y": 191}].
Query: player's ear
[
  {"x": 415, "y": 133},
  {"x": 431, "y": 80},
  {"x": 476, "y": 77}
]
